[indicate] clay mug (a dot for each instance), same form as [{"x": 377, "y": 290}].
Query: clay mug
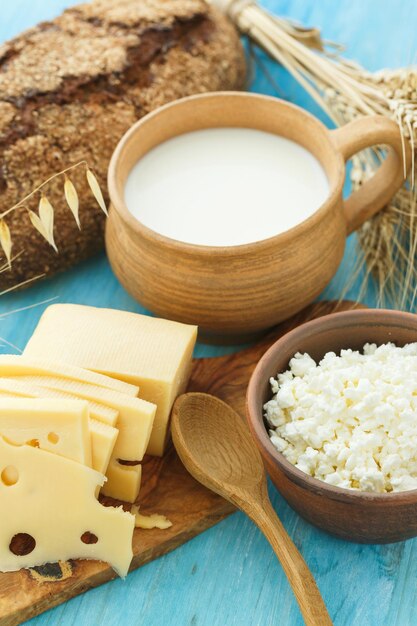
[{"x": 239, "y": 291}]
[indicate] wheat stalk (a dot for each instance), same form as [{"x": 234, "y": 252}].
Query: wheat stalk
[
  {"x": 43, "y": 221},
  {"x": 345, "y": 90}
]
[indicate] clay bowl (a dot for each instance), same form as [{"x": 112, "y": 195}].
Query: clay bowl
[
  {"x": 239, "y": 291},
  {"x": 356, "y": 516}
]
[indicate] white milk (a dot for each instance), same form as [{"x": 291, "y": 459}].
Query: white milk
[{"x": 225, "y": 186}]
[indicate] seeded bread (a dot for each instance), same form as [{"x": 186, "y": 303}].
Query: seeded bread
[{"x": 70, "y": 88}]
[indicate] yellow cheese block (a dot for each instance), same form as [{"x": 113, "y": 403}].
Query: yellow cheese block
[
  {"x": 52, "y": 500},
  {"x": 153, "y": 354},
  {"x": 16, "y": 365},
  {"x": 123, "y": 481},
  {"x": 135, "y": 416},
  {"x": 61, "y": 427},
  {"x": 103, "y": 439}
]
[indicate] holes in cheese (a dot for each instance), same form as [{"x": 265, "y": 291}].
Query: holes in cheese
[
  {"x": 89, "y": 537},
  {"x": 123, "y": 481},
  {"x": 9, "y": 476},
  {"x": 33, "y": 442},
  {"x": 151, "y": 353},
  {"x": 53, "y": 438},
  {"x": 135, "y": 416},
  {"x": 60, "y": 496},
  {"x": 60, "y": 426},
  {"x": 16, "y": 365},
  {"x": 22, "y": 544}
]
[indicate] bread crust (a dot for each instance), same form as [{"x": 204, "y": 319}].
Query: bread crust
[{"x": 70, "y": 88}]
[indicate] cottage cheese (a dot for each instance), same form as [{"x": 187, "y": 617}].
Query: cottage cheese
[{"x": 350, "y": 420}]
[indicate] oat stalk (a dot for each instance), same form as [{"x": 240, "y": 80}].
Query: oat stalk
[
  {"x": 95, "y": 188},
  {"x": 43, "y": 221},
  {"x": 71, "y": 196},
  {"x": 6, "y": 242}
]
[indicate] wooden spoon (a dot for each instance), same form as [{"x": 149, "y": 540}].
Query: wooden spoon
[{"x": 217, "y": 449}]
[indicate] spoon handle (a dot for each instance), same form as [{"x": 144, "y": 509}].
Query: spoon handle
[{"x": 304, "y": 586}]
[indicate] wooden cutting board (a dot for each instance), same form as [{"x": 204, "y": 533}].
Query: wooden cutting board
[{"x": 166, "y": 488}]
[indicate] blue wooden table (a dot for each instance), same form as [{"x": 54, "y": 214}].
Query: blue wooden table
[{"x": 228, "y": 576}]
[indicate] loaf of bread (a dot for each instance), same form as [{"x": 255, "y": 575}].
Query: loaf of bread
[{"x": 70, "y": 88}]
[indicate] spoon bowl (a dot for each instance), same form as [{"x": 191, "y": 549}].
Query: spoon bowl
[
  {"x": 217, "y": 449},
  {"x": 199, "y": 419}
]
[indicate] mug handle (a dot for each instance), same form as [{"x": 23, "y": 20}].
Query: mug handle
[{"x": 378, "y": 190}]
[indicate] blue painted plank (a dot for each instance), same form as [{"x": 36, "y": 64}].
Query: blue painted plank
[{"x": 228, "y": 576}]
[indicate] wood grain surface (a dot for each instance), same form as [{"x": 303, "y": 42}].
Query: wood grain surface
[{"x": 167, "y": 489}]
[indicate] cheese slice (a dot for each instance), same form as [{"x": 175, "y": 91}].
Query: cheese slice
[
  {"x": 103, "y": 435},
  {"x": 52, "y": 500},
  {"x": 61, "y": 427},
  {"x": 26, "y": 387},
  {"x": 103, "y": 439},
  {"x": 151, "y": 353},
  {"x": 123, "y": 481},
  {"x": 99, "y": 412},
  {"x": 21, "y": 387},
  {"x": 17, "y": 365},
  {"x": 135, "y": 416},
  {"x": 123, "y": 484}
]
